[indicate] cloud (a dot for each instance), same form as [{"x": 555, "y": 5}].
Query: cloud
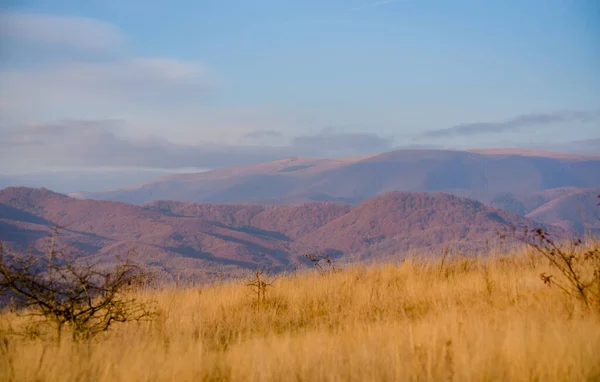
[
  {"x": 522, "y": 121},
  {"x": 121, "y": 77},
  {"x": 97, "y": 144},
  {"x": 70, "y": 31},
  {"x": 97, "y": 89},
  {"x": 60, "y": 67},
  {"x": 52, "y": 76}
]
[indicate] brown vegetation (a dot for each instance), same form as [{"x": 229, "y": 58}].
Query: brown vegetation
[
  {"x": 463, "y": 319},
  {"x": 578, "y": 268}
]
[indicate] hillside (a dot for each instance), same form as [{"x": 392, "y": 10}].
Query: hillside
[
  {"x": 200, "y": 240},
  {"x": 576, "y": 210},
  {"x": 568, "y": 207},
  {"x": 402, "y": 221}
]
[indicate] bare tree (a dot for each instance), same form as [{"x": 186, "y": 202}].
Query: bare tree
[
  {"x": 70, "y": 293},
  {"x": 259, "y": 284}
]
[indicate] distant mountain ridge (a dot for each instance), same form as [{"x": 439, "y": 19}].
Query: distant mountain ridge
[
  {"x": 199, "y": 239},
  {"x": 577, "y": 210},
  {"x": 516, "y": 180},
  {"x": 571, "y": 208},
  {"x": 480, "y": 175}
]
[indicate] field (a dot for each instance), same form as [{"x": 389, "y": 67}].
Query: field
[{"x": 461, "y": 319}]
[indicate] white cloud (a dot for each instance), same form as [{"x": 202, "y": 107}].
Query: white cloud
[
  {"x": 54, "y": 77},
  {"x": 175, "y": 100},
  {"x": 130, "y": 76},
  {"x": 79, "y": 68},
  {"x": 98, "y": 144},
  {"x": 74, "y": 68},
  {"x": 71, "y": 31},
  {"x": 115, "y": 89}
]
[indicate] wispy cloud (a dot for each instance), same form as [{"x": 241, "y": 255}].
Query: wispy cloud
[
  {"x": 132, "y": 86},
  {"x": 78, "y": 66},
  {"x": 71, "y": 31},
  {"x": 519, "y": 122},
  {"x": 98, "y": 144}
]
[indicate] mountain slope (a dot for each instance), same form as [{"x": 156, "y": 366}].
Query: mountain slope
[
  {"x": 576, "y": 210},
  {"x": 572, "y": 208},
  {"x": 200, "y": 240},
  {"x": 402, "y": 221},
  {"x": 479, "y": 175}
]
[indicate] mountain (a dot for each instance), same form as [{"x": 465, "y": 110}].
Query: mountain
[
  {"x": 515, "y": 180},
  {"x": 576, "y": 210},
  {"x": 572, "y": 208},
  {"x": 200, "y": 240},
  {"x": 481, "y": 175}
]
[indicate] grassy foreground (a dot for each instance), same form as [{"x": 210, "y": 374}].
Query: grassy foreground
[{"x": 463, "y": 320}]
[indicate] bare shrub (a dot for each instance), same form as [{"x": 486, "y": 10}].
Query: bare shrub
[
  {"x": 69, "y": 293},
  {"x": 577, "y": 263},
  {"x": 259, "y": 284},
  {"x": 322, "y": 262}
]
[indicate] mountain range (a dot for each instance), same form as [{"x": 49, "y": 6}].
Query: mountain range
[
  {"x": 270, "y": 214},
  {"x": 482, "y": 175},
  {"x": 201, "y": 240},
  {"x": 552, "y": 188}
]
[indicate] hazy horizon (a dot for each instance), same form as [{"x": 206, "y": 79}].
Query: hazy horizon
[{"x": 72, "y": 180}]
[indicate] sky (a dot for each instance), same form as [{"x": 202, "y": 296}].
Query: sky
[{"x": 156, "y": 86}]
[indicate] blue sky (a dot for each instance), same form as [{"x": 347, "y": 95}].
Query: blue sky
[{"x": 203, "y": 84}]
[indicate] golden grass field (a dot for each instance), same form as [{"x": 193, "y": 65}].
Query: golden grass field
[{"x": 466, "y": 320}]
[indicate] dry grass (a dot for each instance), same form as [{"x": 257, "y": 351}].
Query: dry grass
[{"x": 468, "y": 320}]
